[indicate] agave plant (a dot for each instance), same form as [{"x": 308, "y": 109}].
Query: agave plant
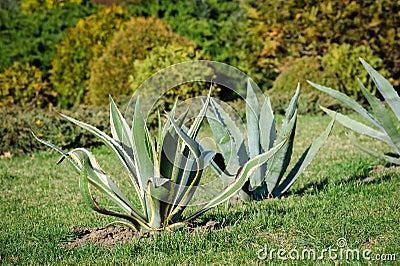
[
  {"x": 267, "y": 180},
  {"x": 385, "y": 121},
  {"x": 165, "y": 170}
]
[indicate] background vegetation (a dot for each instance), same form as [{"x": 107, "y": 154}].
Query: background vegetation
[{"x": 62, "y": 54}]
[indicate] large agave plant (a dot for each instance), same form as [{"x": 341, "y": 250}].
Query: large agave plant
[
  {"x": 164, "y": 170},
  {"x": 269, "y": 179},
  {"x": 385, "y": 120}
]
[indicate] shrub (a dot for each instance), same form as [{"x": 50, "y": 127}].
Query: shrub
[
  {"x": 299, "y": 70},
  {"x": 161, "y": 57},
  {"x": 22, "y": 84},
  {"x": 32, "y": 6},
  {"x": 33, "y": 37},
  {"x": 342, "y": 60},
  {"x": 110, "y": 73},
  {"x": 17, "y": 122},
  {"x": 86, "y": 41},
  {"x": 307, "y": 28}
]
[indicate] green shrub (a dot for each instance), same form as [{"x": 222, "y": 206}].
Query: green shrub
[
  {"x": 17, "y": 122},
  {"x": 162, "y": 57},
  {"x": 22, "y": 84},
  {"x": 33, "y": 37},
  {"x": 300, "y": 70},
  {"x": 86, "y": 41},
  {"x": 110, "y": 73},
  {"x": 217, "y": 27}
]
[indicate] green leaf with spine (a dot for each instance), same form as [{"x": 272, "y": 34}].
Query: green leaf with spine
[
  {"x": 385, "y": 120},
  {"x": 162, "y": 186},
  {"x": 269, "y": 180}
]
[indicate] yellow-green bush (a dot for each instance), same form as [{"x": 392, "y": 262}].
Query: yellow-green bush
[
  {"x": 343, "y": 61},
  {"x": 23, "y": 84},
  {"x": 110, "y": 73},
  {"x": 31, "y": 6},
  {"x": 300, "y": 70},
  {"x": 86, "y": 41},
  {"x": 159, "y": 58}
]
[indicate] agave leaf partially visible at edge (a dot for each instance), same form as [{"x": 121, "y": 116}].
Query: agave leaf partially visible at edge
[{"x": 386, "y": 128}]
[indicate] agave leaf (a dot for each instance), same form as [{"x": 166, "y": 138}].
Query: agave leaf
[
  {"x": 117, "y": 149},
  {"x": 234, "y": 132},
  {"x": 349, "y": 102},
  {"x": 241, "y": 178},
  {"x": 384, "y": 116},
  {"x": 142, "y": 148},
  {"x": 385, "y": 88},
  {"x": 384, "y": 157},
  {"x": 281, "y": 159},
  {"x": 303, "y": 162},
  {"x": 290, "y": 111},
  {"x": 99, "y": 180},
  {"x": 119, "y": 128},
  {"x": 222, "y": 137},
  {"x": 357, "y": 126},
  {"x": 253, "y": 132},
  {"x": 84, "y": 186},
  {"x": 81, "y": 156},
  {"x": 267, "y": 125},
  {"x": 194, "y": 128},
  {"x": 252, "y": 117}
]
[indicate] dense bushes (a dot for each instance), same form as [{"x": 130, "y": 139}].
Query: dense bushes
[
  {"x": 33, "y": 37},
  {"x": 109, "y": 74},
  {"x": 32, "y": 6},
  {"x": 86, "y": 41},
  {"x": 23, "y": 84},
  {"x": 299, "y": 70},
  {"x": 280, "y": 29},
  {"x": 16, "y": 125},
  {"x": 338, "y": 69}
]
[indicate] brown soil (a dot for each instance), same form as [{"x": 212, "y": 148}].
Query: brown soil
[
  {"x": 106, "y": 236},
  {"x": 111, "y": 235}
]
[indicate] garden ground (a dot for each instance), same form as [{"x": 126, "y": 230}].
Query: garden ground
[{"x": 345, "y": 200}]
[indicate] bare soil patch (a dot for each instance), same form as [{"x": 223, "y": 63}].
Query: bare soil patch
[{"x": 106, "y": 236}]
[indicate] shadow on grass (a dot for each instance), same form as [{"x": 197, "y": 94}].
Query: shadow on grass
[{"x": 369, "y": 176}]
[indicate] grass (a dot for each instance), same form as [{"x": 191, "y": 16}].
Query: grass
[{"x": 343, "y": 194}]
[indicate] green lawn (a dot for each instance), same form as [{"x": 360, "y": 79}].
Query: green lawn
[{"x": 342, "y": 194}]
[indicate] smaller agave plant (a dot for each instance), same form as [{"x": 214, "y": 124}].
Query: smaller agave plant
[
  {"x": 269, "y": 179},
  {"x": 164, "y": 170},
  {"x": 385, "y": 120}
]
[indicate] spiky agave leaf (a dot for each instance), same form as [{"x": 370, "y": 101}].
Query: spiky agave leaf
[{"x": 381, "y": 118}]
